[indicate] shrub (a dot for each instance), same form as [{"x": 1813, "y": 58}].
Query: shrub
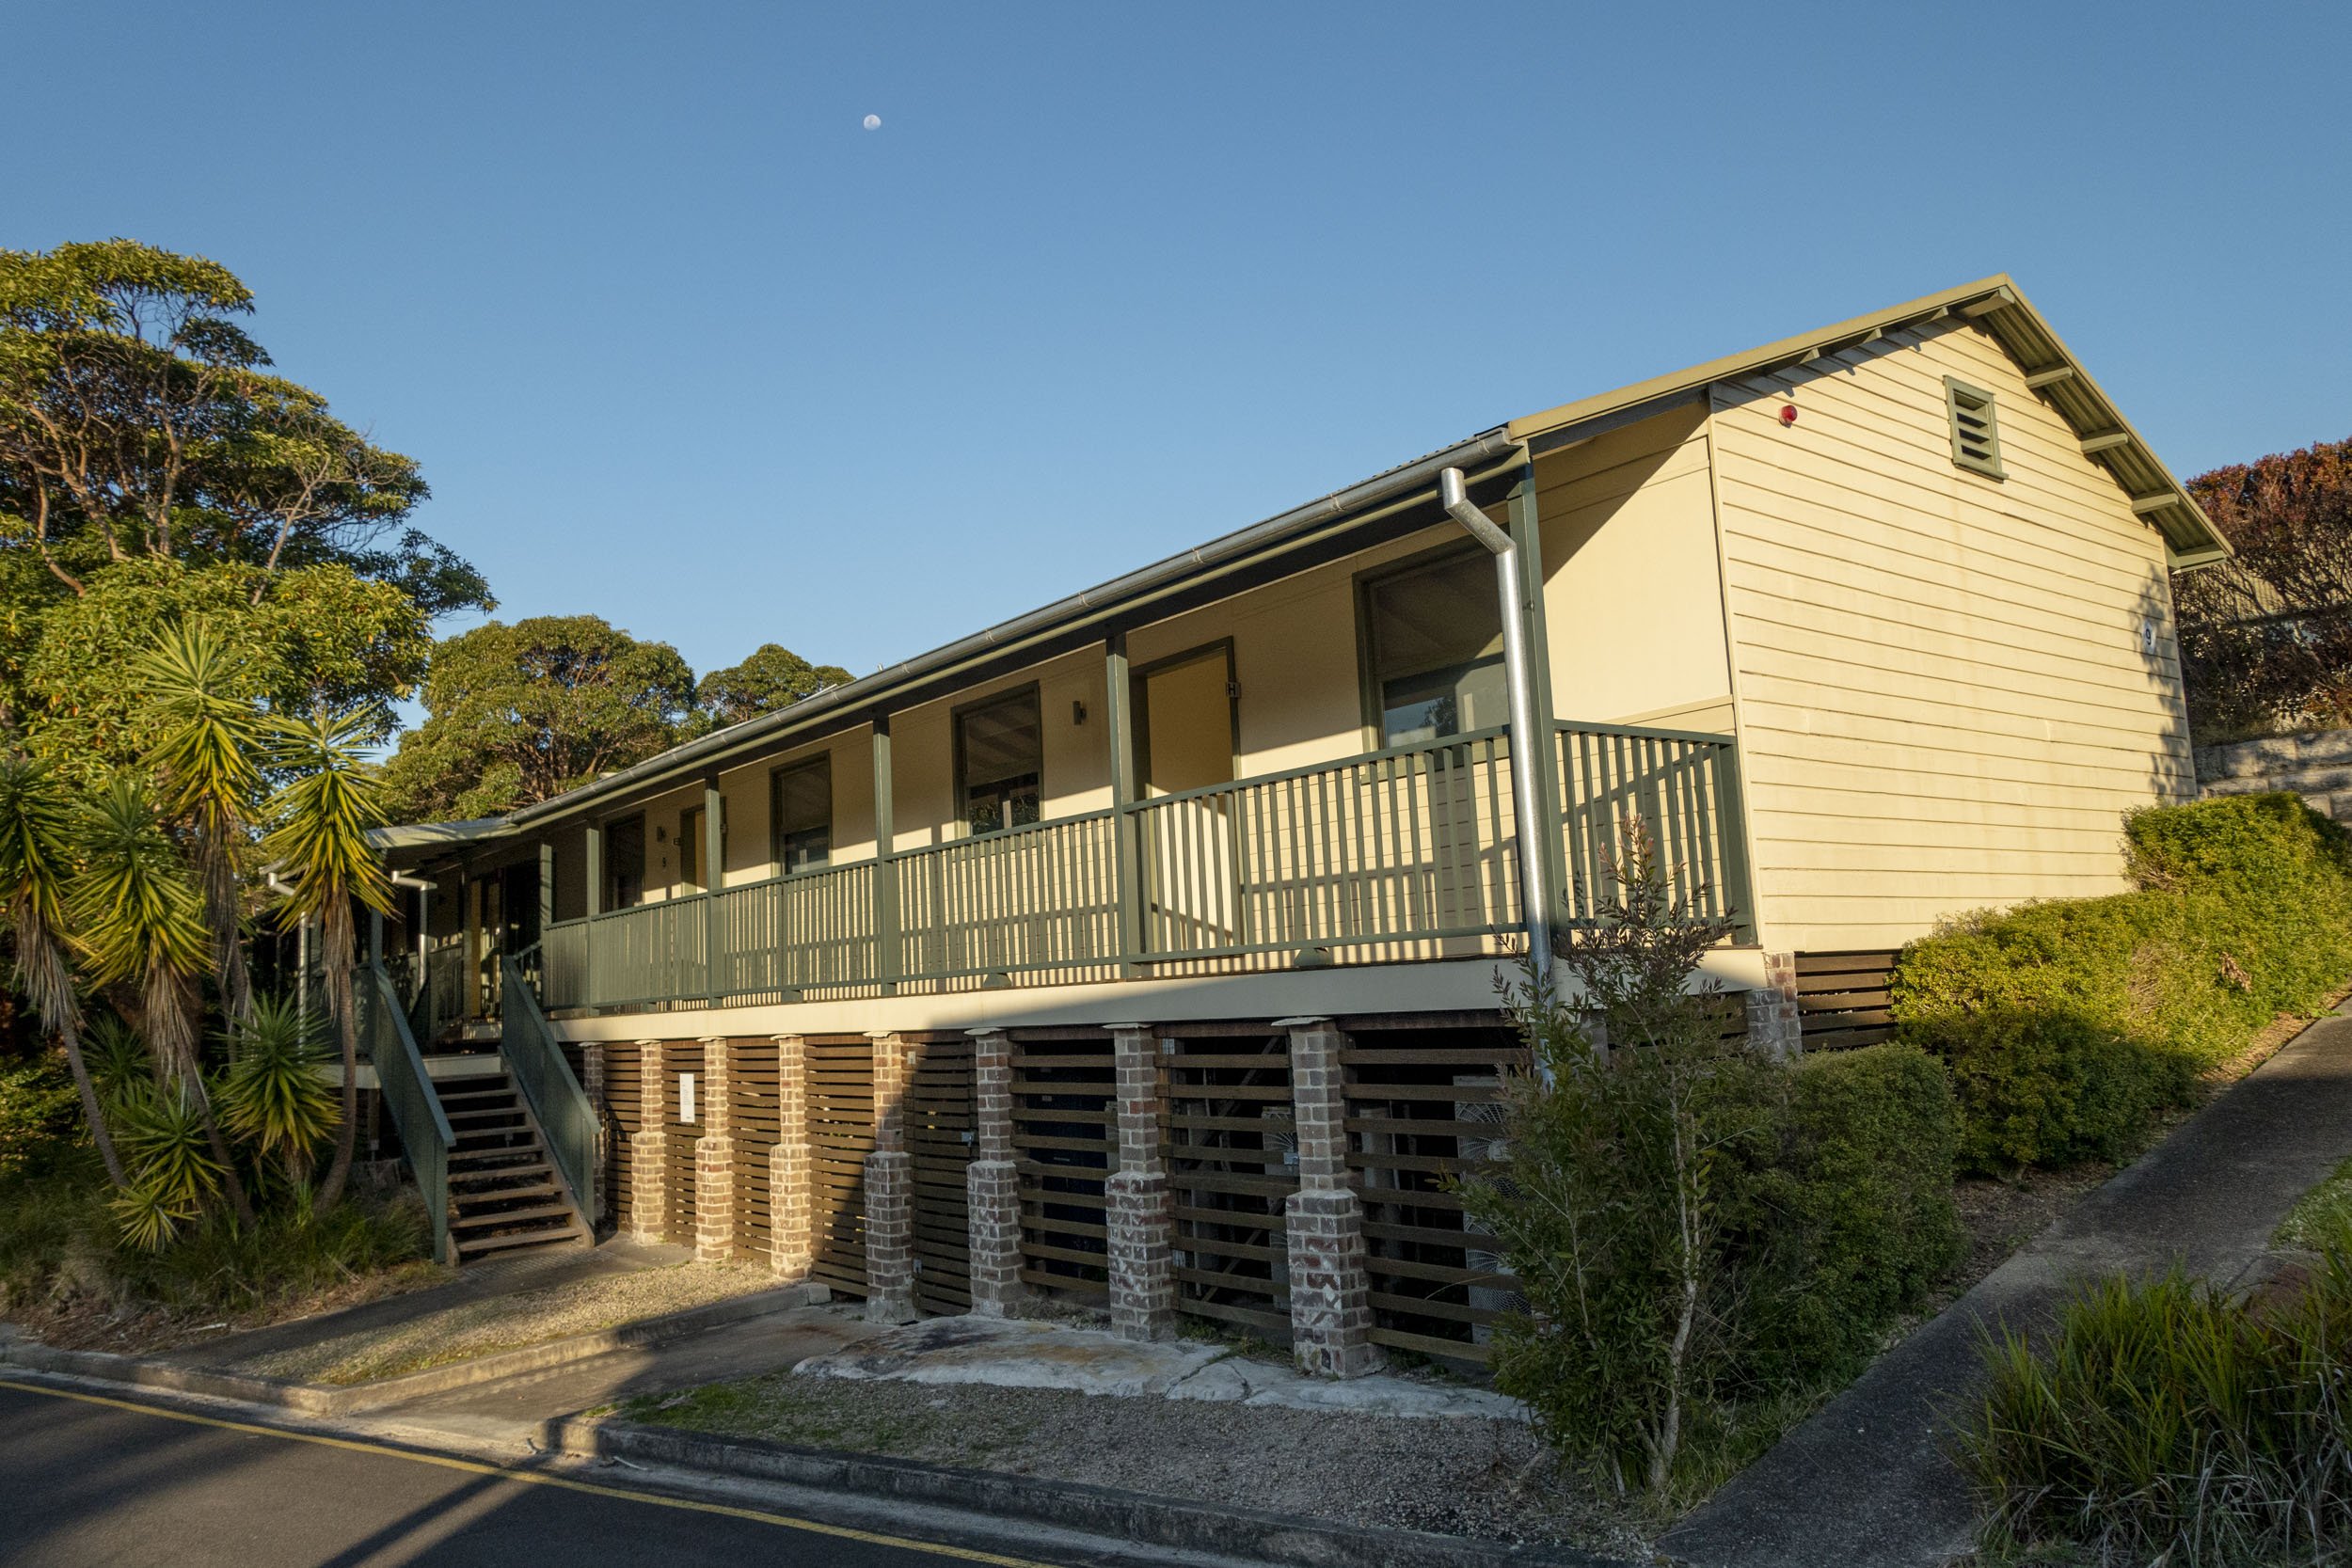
[
  {"x": 2172, "y": 1422},
  {"x": 39, "y": 1113},
  {"x": 1701, "y": 1233},
  {"x": 1850, "y": 1211},
  {"x": 2068, "y": 1023}
]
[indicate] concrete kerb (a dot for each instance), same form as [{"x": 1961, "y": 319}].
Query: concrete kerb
[
  {"x": 314, "y": 1399},
  {"x": 1099, "y": 1511}
]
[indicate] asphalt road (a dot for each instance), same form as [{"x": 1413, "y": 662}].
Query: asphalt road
[{"x": 96, "y": 1483}]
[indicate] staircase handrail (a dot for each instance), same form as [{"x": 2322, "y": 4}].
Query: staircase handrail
[
  {"x": 567, "y": 1120},
  {"x": 409, "y": 1096}
]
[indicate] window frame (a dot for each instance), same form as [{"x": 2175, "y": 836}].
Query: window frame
[
  {"x": 1366, "y": 582},
  {"x": 819, "y": 762},
  {"x": 1033, "y": 693},
  {"x": 1987, "y": 406}
]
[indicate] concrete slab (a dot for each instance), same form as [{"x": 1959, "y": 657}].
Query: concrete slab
[{"x": 1014, "y": 1354}]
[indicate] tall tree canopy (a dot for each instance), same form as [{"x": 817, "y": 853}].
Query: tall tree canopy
[
  {"x": 519, "y": 713},
  {"x": 2267, "y": 638},
  {"x": 154, "y": 470},
  {"x": 139, "y": 419},
  {"x": 773, "y": 678}
]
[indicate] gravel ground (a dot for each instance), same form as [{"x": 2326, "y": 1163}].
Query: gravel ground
[
  {"x": 1478, "y": 1477},
  {"x": 474, "y": 1328}
]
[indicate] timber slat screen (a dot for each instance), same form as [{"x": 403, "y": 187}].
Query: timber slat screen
[
  {"x": 754, "y": 1129},
  {"x": 1065, "y": 1142},
  {"x": 624, "y": 1117},
  {"x": 1423, "y": 1104},
  {"x": 1684, "y": 785},
  {"x": 1232, "y": 1157},
  {"x": 1842, "y": 998},
  {"x": 840, "y": 1071},
  {"x": 680, "y": 1058},
  {"x": 939, "y": 1135}
]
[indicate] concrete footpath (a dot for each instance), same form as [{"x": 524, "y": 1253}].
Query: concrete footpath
[{"x": 1866, "y": 1482}]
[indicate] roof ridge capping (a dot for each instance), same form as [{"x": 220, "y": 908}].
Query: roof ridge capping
[{"x": 2001, "y": 307}]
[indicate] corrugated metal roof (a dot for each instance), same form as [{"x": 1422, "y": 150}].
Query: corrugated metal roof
[{"x": 2001, "y": 307}]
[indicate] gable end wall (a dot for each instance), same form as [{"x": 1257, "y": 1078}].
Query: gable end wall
[{"x": 1945, "y": 699}]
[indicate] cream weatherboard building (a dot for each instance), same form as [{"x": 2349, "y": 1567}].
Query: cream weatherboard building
[{"x": 1143, "y": 948}]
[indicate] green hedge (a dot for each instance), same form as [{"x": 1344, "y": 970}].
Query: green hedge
[
  {"x": 1851, "y": 1205},
  {"x": 2067, "y": 1024}
]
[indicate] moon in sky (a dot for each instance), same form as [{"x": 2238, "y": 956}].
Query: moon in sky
[{"x": 873, "y": 123}]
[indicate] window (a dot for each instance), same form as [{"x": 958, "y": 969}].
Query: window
[
  {"x": 800, "y": 815},
  {"x": 1976, "y": 438},
  {"x": 999, "y": 759},
  {"x": 1433, "y": 645},
  {"x": 624, "y": 863}
]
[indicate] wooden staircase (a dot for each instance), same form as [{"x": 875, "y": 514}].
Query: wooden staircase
[{"x": 502, "y": 1186}]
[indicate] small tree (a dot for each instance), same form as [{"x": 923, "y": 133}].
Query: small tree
[
  {"x": 1605, "y": 1201},
  {"x": 208, "y": 742},
  {"x": 142, "y": 923},
  {"x": 37, "y": 854},
  {"x": 320, "y": 846}
]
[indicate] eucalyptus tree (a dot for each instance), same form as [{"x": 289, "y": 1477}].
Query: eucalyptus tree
[
  {"x": 139, "y": 922},
  {"x": 36, "y": 858},
  {"x": 318, "y": 845},
  {"x": 206, "y": 755}
]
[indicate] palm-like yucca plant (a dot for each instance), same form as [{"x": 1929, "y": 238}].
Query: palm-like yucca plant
[
  {"x": 118, "y": 1059},
  {"x": 319, "y": 845},
  {"x": 140, "y": 924},
  {"x": 168, "y": 1132},
  {"x": 209, "y": 740},
  {"x": 35, "y": 868},
  {"x": 275, "y": 1096}
]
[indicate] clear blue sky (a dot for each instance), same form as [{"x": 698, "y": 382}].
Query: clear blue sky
[{"x": 678, "y": 342}]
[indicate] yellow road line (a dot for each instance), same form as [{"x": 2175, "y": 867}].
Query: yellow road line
[{"x": 962, "y": 1554}]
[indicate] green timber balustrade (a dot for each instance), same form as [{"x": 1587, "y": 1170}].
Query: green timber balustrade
[
  {"x": 566, "y": 1120},
  {"x": 1393, "y": 855},
  {"x": 409, "y": 1095}
]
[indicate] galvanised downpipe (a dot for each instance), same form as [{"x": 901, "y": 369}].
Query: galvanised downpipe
[{"x": 1527, "y": 736}]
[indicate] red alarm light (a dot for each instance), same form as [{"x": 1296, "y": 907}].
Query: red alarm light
[{"x": 1788, "y": 414}]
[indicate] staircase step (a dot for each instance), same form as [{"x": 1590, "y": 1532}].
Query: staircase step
[
  {"x": 520, "y": 1238},
  {"x": 510, "y": 1217},
  {"x": 477, "y": 1156},
  {"x": 499, "y": 1173},
  {"x": 455, "y": 1097},
  {"x": 473, "y": 1196},
  {"x": 483, "y": 1115}
]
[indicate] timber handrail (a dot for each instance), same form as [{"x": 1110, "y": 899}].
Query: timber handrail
[
  {"x": 409, "y": 1095},
  {"x": 566, "y": 1118}
]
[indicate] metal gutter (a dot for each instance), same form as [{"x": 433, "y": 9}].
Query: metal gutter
[{"x": 1296, "y": 526}]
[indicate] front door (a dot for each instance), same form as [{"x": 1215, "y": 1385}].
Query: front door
[{"x": 1186, "y": 732}]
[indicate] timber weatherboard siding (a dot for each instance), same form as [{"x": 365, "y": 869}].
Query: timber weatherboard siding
[{"x": 1945, "y": 697}]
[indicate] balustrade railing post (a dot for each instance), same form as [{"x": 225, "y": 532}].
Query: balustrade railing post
[
  {"x": 714, "y": 878},
  {"x": 1731, "y": 812},
  {"x": 1126, "y": 863},
  {"x": 885, "y": 864}
]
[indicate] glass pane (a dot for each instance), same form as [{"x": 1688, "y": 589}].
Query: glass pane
[
  {"x": 1442, "y": 616},
  {"x": 804, "y": 798},
  {"x": 1001, "y": 742},
  {"x": 1443, "y": 702},
  {"x": 805, "y": 851}
]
